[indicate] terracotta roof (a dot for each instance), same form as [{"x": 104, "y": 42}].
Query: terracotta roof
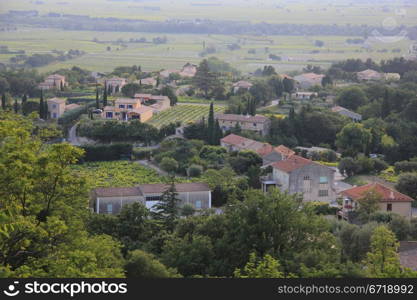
[
  {"x": 57, "y": 100},
  {"x": 140, "y": 110},
  {"x": 241, "y": 118},
  {"x": 284, "y": 150},
  {"x": 72, "y": 106},
  {"x": 180, "y": 187},
  {"x": 243, "y": 84},
  {"x": 388, "y": 195},
  {"x": 56, "y": 76},
  {"x": 126, "y": 100},
  {"x": 246, "y": 144},
  {"x": 142, "y": 96},
  {"x": 234, "y": 139},
  {"x": 292, "y": 163},
  {"x": 117, "y": 192},
  {"x": 265, "y": 150}
]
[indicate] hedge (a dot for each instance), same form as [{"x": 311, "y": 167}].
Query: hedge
[
  {"x": 405, "y": 166},
  {"x": 107, "y": 152}
]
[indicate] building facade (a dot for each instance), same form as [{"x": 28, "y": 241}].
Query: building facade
[
  {"x": 258, "y": 123},
  {"x": 111, "y": 200},
  {"x": 126, "y": 109},
  {"x": 115, "y": 84},
  {"x": 54, "y": 81},
  {"x": 296, "y": 174},
  {"x": 391, "y": 200}
]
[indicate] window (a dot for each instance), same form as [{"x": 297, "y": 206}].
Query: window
[
  {"x": 121, "y": 106},
  {"x": 153, "y": 198},
  {"x": 53, "y": 106},
  {"x": 323, "y": 193},
  {"x": 389, "y": 207},
  {"x": 323, "y": 179},
  {"x": 254, "y": 124},
  {"x": 109, "y": 115},
  {"x": 198, "y": 204},
  {"x": 129, "y": 106},
  {"x": 109, "y": 208},
  {"x": 306, "y": 177},
  {"x": 54, "y": 115}
]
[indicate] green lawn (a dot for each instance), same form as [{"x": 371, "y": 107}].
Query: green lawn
[{"x": 183, "y": 113}]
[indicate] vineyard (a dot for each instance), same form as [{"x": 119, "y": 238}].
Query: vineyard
[
  {"x": 116, "y": 174},
  {"x": 184, "y": 114}
]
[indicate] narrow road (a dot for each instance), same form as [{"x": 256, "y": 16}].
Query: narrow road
[
  {"x": 148, "y": 164},
  {"x": 72, "y": 136}
]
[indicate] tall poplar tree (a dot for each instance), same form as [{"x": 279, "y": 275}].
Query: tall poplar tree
[
  {"x": 41, "y": 106},
  {"x": 211, "y": 126}
]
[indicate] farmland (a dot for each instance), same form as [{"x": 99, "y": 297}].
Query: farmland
[
  {"x": 115, "y": 174},
  {"x": 183, "y": 113},
  {"x": 254, "y": 51}
]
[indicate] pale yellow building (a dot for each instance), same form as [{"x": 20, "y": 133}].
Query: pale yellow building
[{"x": 126, "y": 109}]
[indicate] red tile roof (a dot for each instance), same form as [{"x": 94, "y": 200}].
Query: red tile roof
[
  {"x": 284, "y": 150},
  {"x": 265, "y": 150},
  {"x": 388, "y": 195},
  {"x": 292, "y": 163}
]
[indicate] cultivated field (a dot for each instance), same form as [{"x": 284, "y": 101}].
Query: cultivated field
[
  {"x": 296, "y": 51},
  {"x": 116, "y": 174},
  {"x": 341, "y": 12},
  {"x": 183, "y": 113}
]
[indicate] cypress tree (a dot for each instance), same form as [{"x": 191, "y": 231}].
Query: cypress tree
[
  {"x": 16, "y": 106},
  {"x": 24, "y": 101},
  {"x": 211, "y": 126},
  {"x": 41, "y": 106},
  {"x": 62, "y": 86},
  {"x": 97, "y": 99},
  {"x": 45, "y": 110},
  {"x": 105, "y": 96},
  {"x": 167, "y": 209},
  {"x": 218, "y": 133},
  {"x": 3, "y": 101}
]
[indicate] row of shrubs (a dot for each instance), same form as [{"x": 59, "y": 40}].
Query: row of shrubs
[
  {"x": 405, "y": 166},
  {"x": 107, "y": 152}
]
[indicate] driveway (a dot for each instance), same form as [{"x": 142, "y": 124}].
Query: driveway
[{"x": 75, "y": 140}]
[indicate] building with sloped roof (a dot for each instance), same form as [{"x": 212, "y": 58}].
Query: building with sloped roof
[
  {"x": 298, "y": 175},
  {"x": 391, "y": 200},
  {"x": 110, "y": 200},
  {"x": 259, "y": 124}
]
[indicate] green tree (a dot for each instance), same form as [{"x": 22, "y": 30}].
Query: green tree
[
  {"x": 23, "y": 104},
  {"x": 3, "y": 101},
  {"x": 407, "y": 184},
  {"x": 383, "y": 261},
  {"x": 288, "y": 85},
  {"x": 16, "y": 106},
  {"x": 141, "y": 264},
  {"x": 41, "y": 107},
  {"x": 105, "y": 92},
  {"x": 354, "y": 138},
  {"x": 169, "y": 164},
  {"x": 368, "y": 204},
  {"x": 97, "y": 98},
  {"x": 211, "y": 130},
  {"x": 204, "y": 79},
  {"x": 167, "y": 208},
  {"x": 352, "y": 98},
  {"x": 266, "y": 267}
]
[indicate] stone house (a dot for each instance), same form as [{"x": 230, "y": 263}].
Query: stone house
[
  {"x": 269, "y": 153},
  {"x": 242, "y": 84},
  {"x": 148, "y": 81},
  {"x": 126, "y": 109},
  {"x": 308, "y": 80},
  {"x": 111, "y": 200},
  {"x": 54, "y": 81},
  {"x": 303, "y": 95},
  {"x": 258, "y": 123},
  {"x": 369, "y": 75},
  {"x": 296, "y": 174},
  {"x": 391, "y": 200},
  {"x": 115, "y": 84},
  {"x": 57, "y": 107}
]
